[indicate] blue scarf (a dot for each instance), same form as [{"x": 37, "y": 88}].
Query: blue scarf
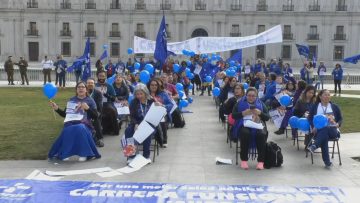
[{"x": 242, "y": 106}]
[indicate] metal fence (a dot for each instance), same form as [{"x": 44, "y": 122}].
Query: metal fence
[{"x": 35, "y": 74}]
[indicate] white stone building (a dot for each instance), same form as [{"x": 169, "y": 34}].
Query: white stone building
[{"x": 34, "y": 28}]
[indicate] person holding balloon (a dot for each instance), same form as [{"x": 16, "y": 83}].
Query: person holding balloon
[
  {"x": 76, "y": 137},
  {"x": 250, "y": 108},
  {"x": 325, "y": 119},
  {"x": 303, "y": 107}
]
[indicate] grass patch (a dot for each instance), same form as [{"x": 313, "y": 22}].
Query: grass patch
[
  {"x": 355, "y": 92},
  {"x": 27, "y": 124},
  {"x": 349, "y": 108}
]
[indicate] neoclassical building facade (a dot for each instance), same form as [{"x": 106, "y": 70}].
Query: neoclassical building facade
[{"x": 35, "y": 28}]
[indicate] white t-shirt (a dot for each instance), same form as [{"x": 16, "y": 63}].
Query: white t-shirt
[
  {"x": 47, "y": 64},
  {"x": 325, "y": 110}
]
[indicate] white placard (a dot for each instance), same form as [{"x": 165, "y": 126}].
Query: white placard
[
  {"x": 252, "y": 124},
  {"x": 174, "y": 106},
  {"x": 220, "y": 161},
  {"x": 78, "y": 172},
  {"x": 197, "y": 69},
  {"x": 143, "y": 131},
  {"x": 73, "y": 117},
  {"x": 212, "y": 44},
  {"x": 127, "y": 169},
  {"x": 121, "y": 109},
  {"x": 139, "y": 161},
  {"x": 155, "y": 114},
  {"x": 109, "y": 174}
]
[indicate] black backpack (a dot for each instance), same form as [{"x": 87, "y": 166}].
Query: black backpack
[
  {"x": 178, "y": 119},
  {"x": 273, "y": 155}
]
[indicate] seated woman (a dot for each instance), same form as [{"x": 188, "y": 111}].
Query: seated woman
[
  {"x": 157, "y": 92},
  {"x": 122, "y": 94},
  {"x": 323, "y": 106},
  {"x": 304, "y": 105},
  {"x": 139, "y": 106},
  {"x": 229, "y": 104},
  {"x": 226, "y": 92},
  {"x": 253, "y": 109},
  {"x": 76, "y": 137}
]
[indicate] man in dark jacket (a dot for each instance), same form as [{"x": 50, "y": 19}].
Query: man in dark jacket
[
  {"x": 97, "y": 96},
  {"x": 23, "y": 64},
  {"x": 9, "y": 69}
]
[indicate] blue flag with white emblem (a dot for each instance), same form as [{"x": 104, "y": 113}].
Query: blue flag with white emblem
[
  {"x": 303, "y": 50},
  {"x": 161, "y": 52},
  {"x": 103, "y": 55},
  {"x": 352, "y": 59},
  {"x": 86, "y": 55}
]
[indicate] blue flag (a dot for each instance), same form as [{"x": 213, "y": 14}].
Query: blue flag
[
  {"x": 161, "y": 52},
  {"x": 352, "y": 59},
  {"x": 303, "y": 50},
  {"x": 103, "y": 55},
  {"x": 236, "y": 57},
  {"x": 86, "y": 55}
]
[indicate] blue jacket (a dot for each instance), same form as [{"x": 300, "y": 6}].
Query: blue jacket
[
  {"x": 257, "y": 68},
  {"x": 270, "y": 91},
  {"x": 61, "y": 64},
  {"x": 336, "y": 112},
  {"x": 166, "y": 101},
  {"x": 337, "y": 73}
]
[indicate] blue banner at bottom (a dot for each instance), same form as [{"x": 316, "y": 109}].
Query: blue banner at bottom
[{"x": 83, "y": 191}]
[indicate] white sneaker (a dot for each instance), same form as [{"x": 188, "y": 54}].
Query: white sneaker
[
  {"x": 129, "y": 160},
  {"x": 82, "y": 159},
  {"x": 66, "y": 159}
]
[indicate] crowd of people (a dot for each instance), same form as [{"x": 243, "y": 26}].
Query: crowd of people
[{"x": 247, "y": 94}]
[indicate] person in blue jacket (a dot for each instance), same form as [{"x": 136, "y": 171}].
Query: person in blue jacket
[
  {"x": 324, "y": 106},
  {"x": 270, "y": 90},
  {"x": 337, "y": 73},
  {"x": 257, "y": 67},
  {"x": 60, "y": 69}
]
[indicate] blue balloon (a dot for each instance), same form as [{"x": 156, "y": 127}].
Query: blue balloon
[
  {"x": 188, "y": 63},
  {"x": 216, "y": 91},
  {"x": 187, "y": 71},
  {"x": 105, "y": 46},
  {"x": 181, "y": 94},
  {"x": 191, "y": 76},
  {"x": 179, "y": 87},
  {"x": 232, "y": 63},
  {"x": 185, "y": 52},
  {"x": 192, "y": 54},
  {"x": 285, "y": 100},
  {"x": 230, "y": 72},
  {"x": 130, "y": 51},
  {"x": 191, "y": 86},
  {"x": 303, "y": 124},
  {"x": 245, "y": 85},
  {"x": 137, "y": 65},
  {"x": 111, "y": 80},
  {"x": 208, "y": 78},
  {"x": 144, "y": 76},
  {"x": 183, "y": 103},
  {"x": 320, "y": 121},
  {"x": 190, "y": 100},
  {"x": 176, "y": 68},
  {"x": 131, "y": 97},
  {"x": 149, "y": 68},
  {"x": 50, "y": 90},
  {"x": 213, "y": 57},
  {"x": 293, "y": 121},
  {"x": 204, "y": 56},
  {"x": 218, "y": 57}
]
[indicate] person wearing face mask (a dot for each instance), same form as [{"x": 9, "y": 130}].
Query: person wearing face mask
[
  {"x": 324, "y": 106},
  {"x": 109, "y": 112},
  {"x": 97, "y": 96},
  {"x": 250, "y": 108},
  {"x": 76, "y": 137}
]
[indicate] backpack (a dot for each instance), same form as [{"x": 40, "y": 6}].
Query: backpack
[
  {"x": 178, "y": 119},
  {"x": 273, "y": 155}
]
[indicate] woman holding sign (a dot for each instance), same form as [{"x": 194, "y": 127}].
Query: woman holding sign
[
  {"x": 249, "y": 113},
  {"x": 139, "y": 107},
  {"x": 324, "y": 106},
  {"x": 76, "y": 137}
]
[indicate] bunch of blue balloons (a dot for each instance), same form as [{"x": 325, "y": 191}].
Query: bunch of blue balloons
[{"x": 188, "y": 53}]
